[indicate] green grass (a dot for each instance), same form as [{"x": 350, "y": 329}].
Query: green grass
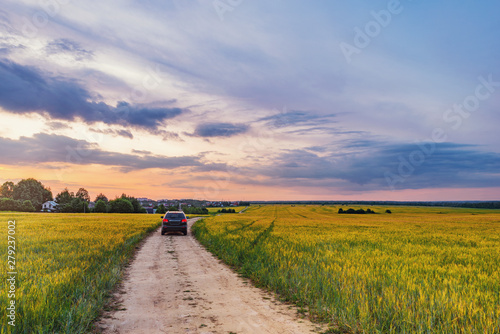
[
  {"x": 67, "y": 264},
  {"x": 417, "y": 270}
]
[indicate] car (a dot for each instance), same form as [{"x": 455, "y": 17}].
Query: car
[{"x": 174, "y": 221}]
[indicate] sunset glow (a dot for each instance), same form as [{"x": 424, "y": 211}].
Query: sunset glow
[{"x": 366, "y": 100}]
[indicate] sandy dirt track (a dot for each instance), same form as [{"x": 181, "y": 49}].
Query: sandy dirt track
[{"x": 175, "y": 286}]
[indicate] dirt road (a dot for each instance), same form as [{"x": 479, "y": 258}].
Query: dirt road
[{"x": 175, "y": 286}]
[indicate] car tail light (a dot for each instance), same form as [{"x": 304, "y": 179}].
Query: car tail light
[
  {"x": 165, "y": 220},
  {"x": 184, "y": 221}
]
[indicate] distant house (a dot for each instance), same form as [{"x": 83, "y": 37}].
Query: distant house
[
  {"x": 49, "y": 206},
  {"x": 91, "y": 205},
  {"x": 150, "y": 210}
]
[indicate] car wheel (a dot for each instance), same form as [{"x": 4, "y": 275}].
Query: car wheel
[
  {"x": 162, "y": 232},
  {"x": 185, "y": 233}
]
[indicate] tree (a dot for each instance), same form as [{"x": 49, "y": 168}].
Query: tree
[
  {"x": 30, "y": 189},
  {"x": 8, "y": 204},
  {"x": 79, "y": 205},
  {"x": 388, "y": 211},
  {"x": 76, "y": 205},
  {"x": 64, "y": 197},
  {"x": 121, "y": 205},
  {"x": 28, "y": 206},
  {"x": 197, "y": 211},
  {"x": 135, "y": 203},
  {"x": 47, "y": 195},
  {"x": 83, "y": 194},
  {"x": 102, "y": 197},
  {"x": 161, "y": 209},
  {"x": 7, "y": 189},
  {"x": 100, "y": 206}
]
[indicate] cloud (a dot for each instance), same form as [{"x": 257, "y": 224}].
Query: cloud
[
  {"x": 58, "y": 125},
  {"x": 396, "y": 90},
  {"x": 449, "y": 165},
  {"x": 45, "y": 148},
  {"x": 144, "y": 116},
  {"x": 5, "y": 23},
  {"x": 296, "y": 118},
  {"x": 69, "y": 47},
  {"x": 166, "y": 135},
  {"x": 122, "y": 133},
  {"x": 219, "y": 129},
  {"x": 408, "y": 166},
  {"x": 25, "y": 89},
  {"x": 125, "y": 133},
  {"x": 142, "y": 152}
]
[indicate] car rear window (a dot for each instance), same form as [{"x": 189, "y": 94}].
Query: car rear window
[{"x": 175, "y": 215}]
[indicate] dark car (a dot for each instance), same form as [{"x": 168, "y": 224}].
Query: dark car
[{"x": 174, "y": 221}]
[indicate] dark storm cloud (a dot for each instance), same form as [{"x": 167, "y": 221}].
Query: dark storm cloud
[
  {"x": 69, "y": 47},
  {"x": 25, "y": 89},
  {"x": 45, "y": 148},
  {"x": 220, "y": 129},
  {"x": 395, "y": 166}
]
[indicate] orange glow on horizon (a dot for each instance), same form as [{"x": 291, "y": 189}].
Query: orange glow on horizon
[{"x": 159, "y": 184}]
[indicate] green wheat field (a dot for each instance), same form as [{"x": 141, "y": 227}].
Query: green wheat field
[
  {"x": 66, "y": 265},
  {"x": 417, "y": 270}
]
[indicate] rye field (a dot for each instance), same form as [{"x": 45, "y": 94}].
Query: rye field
[
  {"x": 417, "y": 270},
  {"x": 66, "y": 266}
]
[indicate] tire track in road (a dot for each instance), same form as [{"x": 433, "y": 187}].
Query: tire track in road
[{"x": 175, "y": 286}]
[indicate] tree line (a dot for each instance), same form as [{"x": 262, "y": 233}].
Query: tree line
[
  {"x": 357, "y": 212},
  {"x": 451, "y": 204},
  {"x": 226, "y": 211},
  {"x": 28, "y": 195},
  {"x": 162, "y": 209}
]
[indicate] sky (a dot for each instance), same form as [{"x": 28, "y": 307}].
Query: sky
[{"x": 253, "y": 100}]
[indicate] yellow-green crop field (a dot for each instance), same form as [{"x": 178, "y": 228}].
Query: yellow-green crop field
[
  {"x": 417, "y": 270},
  {"x": 66, "y": 266}
]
